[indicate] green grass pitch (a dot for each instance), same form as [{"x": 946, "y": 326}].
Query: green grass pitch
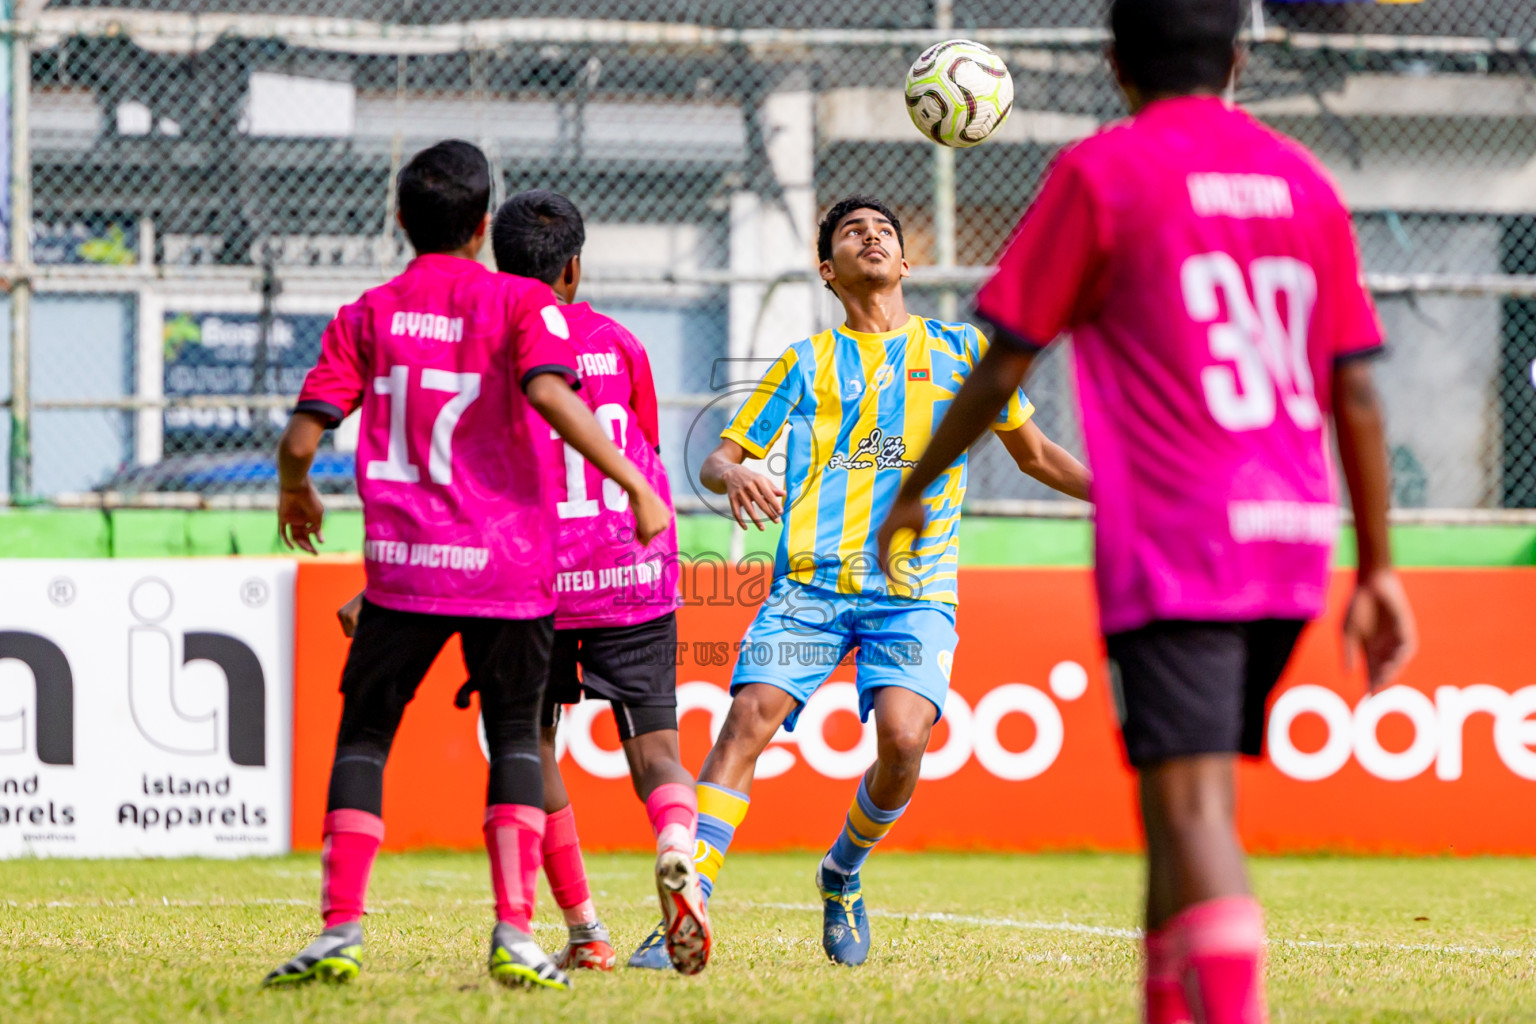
[{"x": 957, "y": 937}]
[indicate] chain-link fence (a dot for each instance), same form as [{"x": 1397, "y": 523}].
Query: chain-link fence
[{"x": 203, "y": 182}]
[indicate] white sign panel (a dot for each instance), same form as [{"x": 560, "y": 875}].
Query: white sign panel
[
  {"x": 145, "y": 707},
  {"x": 292, "y": 106}
]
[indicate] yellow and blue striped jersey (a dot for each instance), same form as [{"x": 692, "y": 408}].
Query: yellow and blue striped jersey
[{"x": 860, "y": 409}]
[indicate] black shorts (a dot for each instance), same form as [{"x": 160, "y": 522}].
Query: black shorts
[
  {"x": 392, "y": 650},
  {"x": 1188, "y": 688},
  {"x": 634, "y": 667}
]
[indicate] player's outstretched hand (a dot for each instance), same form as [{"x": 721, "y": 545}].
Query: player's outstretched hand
[
  {"x": 299, "y": 515},
  {"x": 348, "y": 614},
  {"x": 749, "y": 493},
  {"x": 893, "y": 544},
  {"x": 1379, "y": 625},
  {"x": 652, "y": 515}
]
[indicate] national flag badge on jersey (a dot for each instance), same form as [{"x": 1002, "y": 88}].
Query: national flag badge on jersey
[{"x": 917, "y": 375}]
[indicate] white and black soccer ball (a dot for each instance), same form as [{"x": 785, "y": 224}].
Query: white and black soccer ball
[{"x": 959, "y": 93}]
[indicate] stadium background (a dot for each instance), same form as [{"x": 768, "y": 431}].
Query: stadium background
[
  {"x": 194, "y": 187},
  {"x": 204, "y": 182}
]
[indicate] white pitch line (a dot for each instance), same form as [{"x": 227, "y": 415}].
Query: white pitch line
[
  {"x": 379, "y": 907},
  {"x": 147, "y": 903},
  {"x": 1102, "y": 931},
  {"x": 1065, "y": 927},
  {"x": 984, "y": 922}
]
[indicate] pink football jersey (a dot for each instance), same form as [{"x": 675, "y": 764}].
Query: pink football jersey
[
  {"x": 1207, "y": 270},
  {"x": 447, "y": 467},
  {"x": 605, "y": 577}
]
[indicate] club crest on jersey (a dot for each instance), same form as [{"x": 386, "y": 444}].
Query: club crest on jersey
[
  {"x": 877, "y": 451},
  {"x": 883, "y": 378}
]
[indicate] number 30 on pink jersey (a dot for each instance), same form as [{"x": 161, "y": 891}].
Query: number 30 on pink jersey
[{"x": 1268, "y": 352}]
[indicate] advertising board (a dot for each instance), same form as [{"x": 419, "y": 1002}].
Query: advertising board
[
  {"x": 145, "y": 707},
  {"x": 1026, "y": 756}
]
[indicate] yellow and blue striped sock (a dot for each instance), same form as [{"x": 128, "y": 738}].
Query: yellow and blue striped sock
[
  {"x": 721, "y": 811},
  {"x": 866, "y": 825}
]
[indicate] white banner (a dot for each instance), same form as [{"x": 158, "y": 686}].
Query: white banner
[{"x": 145, "y": 707}]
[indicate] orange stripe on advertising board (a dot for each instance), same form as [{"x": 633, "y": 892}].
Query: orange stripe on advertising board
[{"x": 1027, "y": 756}]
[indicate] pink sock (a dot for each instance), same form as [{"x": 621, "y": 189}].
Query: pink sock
[
  {"x": 513, "y": 835},
  {"x": 352, "y": 840},
  {"x": 564, "y": 868},
  {"x": 1222, "y": 946},
  {"x": 674, "y": 812},
  {"x": 1163, "y": 994}
]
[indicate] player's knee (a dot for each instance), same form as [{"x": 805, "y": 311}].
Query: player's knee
[
  {"x": 651, "y": 753},
  {"x": 903, "y": 743},
  {"x": 368, "y": 732},
  {"x": 513, "y": 717},
  {"x": 1193, "y": 800},
  {"x": 745, "y": 738},
  {"x": 753, "y": 719},
  {"x": 365, "y": 747}
]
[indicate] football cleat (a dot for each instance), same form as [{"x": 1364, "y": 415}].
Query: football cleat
[
  {"x": 588, "y": 949},
  {"x": 335, "y": 956},
  {"x": 517, "y": 960},
  {"x": 652, "y": 954},
  {"x": 685, "y": 919},
  {"x": 844, "y": 923}
]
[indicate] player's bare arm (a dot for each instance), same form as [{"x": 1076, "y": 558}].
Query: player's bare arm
[
  {"x": 557, "y": 403},
  {"x": 299, "y": 509},
  {"x": 1379, "y": 623},
  {"x": 748, "y": 491},
  {"x": 982, "y": 396},
  {"x": 348, "y": 614},
  {"x": 1045, "y": 460}
]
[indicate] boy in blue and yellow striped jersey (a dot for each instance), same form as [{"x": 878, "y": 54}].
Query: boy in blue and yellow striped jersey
[{"x": 861, "y": 402}]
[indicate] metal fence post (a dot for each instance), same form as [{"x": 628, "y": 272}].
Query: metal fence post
[
  {"x": 21, "y": 260},
  {"x": 944, "y": 247}
]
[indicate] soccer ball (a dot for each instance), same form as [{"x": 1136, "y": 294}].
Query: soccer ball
[{"x": 959, "y": 93}]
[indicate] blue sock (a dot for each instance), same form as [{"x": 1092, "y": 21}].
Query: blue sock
[
  {"x": 865, "y": 826},
  {"x": 721, "y": 810}
]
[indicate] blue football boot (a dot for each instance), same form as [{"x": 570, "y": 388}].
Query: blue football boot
[
  {"x": 844, "y": 924},
  {"x": 652, "y": 954}
]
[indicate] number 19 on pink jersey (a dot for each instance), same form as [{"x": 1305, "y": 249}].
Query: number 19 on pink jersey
[{"x": 614, "y": 418}]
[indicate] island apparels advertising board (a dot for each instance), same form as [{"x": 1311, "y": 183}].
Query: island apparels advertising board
[
  {"x": 145, "y": 707},
  {"x": 1026, "y": 756}
]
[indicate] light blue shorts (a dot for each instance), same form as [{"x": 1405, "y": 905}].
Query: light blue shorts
[{"x": 802, "y": 633}]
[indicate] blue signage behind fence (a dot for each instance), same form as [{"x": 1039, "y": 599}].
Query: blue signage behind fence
[{"x": 217, "y": 354}]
